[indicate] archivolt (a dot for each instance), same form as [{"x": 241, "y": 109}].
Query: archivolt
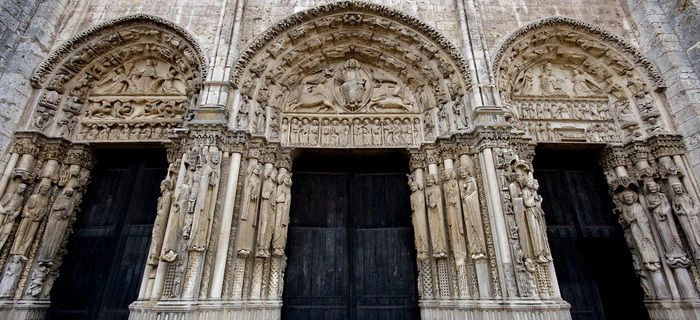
[
  {"x": 383, "y": 38},
  {"x": 581, "y": 34},
  {"x": 80, "y": 51}
]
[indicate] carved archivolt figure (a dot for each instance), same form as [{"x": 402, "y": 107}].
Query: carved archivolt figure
[
  {"x": 418, "y": 219},
  {"x": 660, "y": 208},
  {"x": 34, "y": 210},
  {"x": 10, "y": 207},
  {"x": 11, "y": 276},
  {"x": 454, "y": 215},
  {"x": 267, "y": 213},
  {"x": 59, "y": 217},
  {"x": 535, "y": 220},
  {"x": 634, "y": 218},
  {"x": 472, "y": 213},
  {"x": 283, "y": 199},
  {"x": 249, "y": 210},
  {"x": 435, "y": 217},
  {"x": 688, "y": 214}
]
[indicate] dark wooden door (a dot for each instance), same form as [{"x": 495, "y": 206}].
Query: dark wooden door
[
  {"x": 350, "y": 247},
  {"x": 592, "y": 262},
  {"x": 101, "y": 272}
]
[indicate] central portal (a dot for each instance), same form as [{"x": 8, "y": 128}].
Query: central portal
[{"x": 350, "y": 247}]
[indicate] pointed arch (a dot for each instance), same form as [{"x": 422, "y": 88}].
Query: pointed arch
[
  {"x": 128, "y": 79},
  {"x": 79, "y": 51},
  {"x": 566, "y": 80}
]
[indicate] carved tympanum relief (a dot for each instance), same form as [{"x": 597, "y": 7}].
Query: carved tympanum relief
[
  {"x": 568, "y": 81},
  {"x": 347, "y": 62},
  {"x": 130, "y": 79}
]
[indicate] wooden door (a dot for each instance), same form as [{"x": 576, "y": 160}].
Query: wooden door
[
  {"x": 106, "y": 253},
  {"x": 350, "y": 247},
  {"x": 592, "y": 262}
]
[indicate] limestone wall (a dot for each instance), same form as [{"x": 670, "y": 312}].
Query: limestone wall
[{"x": 27, "y": 30}]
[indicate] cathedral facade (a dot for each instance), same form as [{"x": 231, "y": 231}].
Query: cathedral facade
[{"x": 446, "y": 159}]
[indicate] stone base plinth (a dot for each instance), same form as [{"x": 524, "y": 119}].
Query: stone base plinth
[
  {"x": 671, "y": 310},
  {"x": 23, "y": 309},
  {"x": 205, "y": 310},
  {"x": 494, "y": 310}
]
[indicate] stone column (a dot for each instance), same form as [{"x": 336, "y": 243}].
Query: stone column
[
  {"x": 44, "y": 190},
  {"x": 646, "y": 179}
]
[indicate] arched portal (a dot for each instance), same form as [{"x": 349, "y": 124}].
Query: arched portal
[
  {"x": 570, "y": 85},
  {"x": 126, "y": 83}
]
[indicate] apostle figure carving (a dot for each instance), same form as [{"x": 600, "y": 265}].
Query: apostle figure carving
[
  {"x": 34, "y": 210},
  {"x": 454, "y": 215},
  {"x": 660, "y": 209},
  {"x": 10, "y": 207},
  {"x": 472, "y": 213},
  {"x": 634, "y": 218},
  {"x": 418, "y": 219},
  {"x": 688, "y": 214},
  {"x": 283, "y": 199},
  {"x": 267, "y": 213},
  {"x": 249, "y": 210},
  {"x": 59, "y": 217},
  {"x": 435, "y": 217}
]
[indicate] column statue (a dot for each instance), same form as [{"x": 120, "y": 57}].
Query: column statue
[
  {"x": 59, "y": 217},
  {"x": 284, "y": 199},
  {"x": 267, "y": 213},
  {"x": 688, "y": 214},
  {"x": 418, "y": 219},
  {"x": 472, "y": 213},
  {"x": 454, "y": 215},
  {"x": 32, "y": 214},
  {"x": 660, "y": 209},
  {"x": 10, "y": 208},
  {"x": 249, "y": 210},
  {"x": 634, "y": 218},
  {"x": 435, "y": 217}
]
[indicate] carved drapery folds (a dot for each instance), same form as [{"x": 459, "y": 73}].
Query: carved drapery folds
[
  {"x": 130, "y": 79},
  {"x": 351, "y": 74},
  {"x": 448, "y": 224},
  {"x": 567, "y": 81},
  {"x": 263, "y": 219},
  {"x": 531, "y": 272},
  {"x": 38, "y": 208},
  {"x": 655, "y": 206}
]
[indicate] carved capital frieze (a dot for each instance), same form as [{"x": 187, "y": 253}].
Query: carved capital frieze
[
  {"x": 615, "y": 156},
  {"x": 666, "y": 145},
  {"x": 284, "y": 158},
  {"x": 80, "y": 155},
  {"x": 638, "y": 151},
  {"x": 432, "y": 155},
  {"x": 418, "y": 159}
]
